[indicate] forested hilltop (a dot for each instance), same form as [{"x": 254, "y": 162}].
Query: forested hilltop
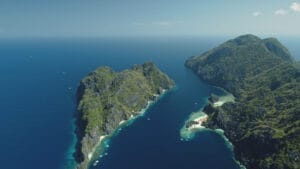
[
  {"x": 107, "y": 98},
  {"x": 264, "y": 122}
]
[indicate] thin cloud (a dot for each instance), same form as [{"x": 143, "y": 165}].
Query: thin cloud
[
  {"x": 281, "y": 12},
  {"x": 295, "y": 7},
  {"x": 158, "y": 23},
  {"x": 166, "y": 23},
  {"x": 257, "y": 13}
]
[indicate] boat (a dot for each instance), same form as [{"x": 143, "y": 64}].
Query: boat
[{"x": 95, "y": 163}]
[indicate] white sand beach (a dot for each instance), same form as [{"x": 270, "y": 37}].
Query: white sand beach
[
  {"x": 198, "y": 123},
  {"x": 224, "y": 99}
]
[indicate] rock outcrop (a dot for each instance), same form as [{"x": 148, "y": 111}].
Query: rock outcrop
[{"x": 106, "y": 98}]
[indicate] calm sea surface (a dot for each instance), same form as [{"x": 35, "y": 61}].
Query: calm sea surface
[{"x": 38, "y": 84}]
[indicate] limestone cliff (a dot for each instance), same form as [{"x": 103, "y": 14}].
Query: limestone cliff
[{"x": 105, "y": 98}]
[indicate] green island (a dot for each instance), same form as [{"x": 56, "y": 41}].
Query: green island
[
  {"x": 106, "y": 99},
  {"x": 263, "y": 123}
]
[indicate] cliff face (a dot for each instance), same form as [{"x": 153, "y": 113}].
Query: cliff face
[
  {"x": 264, "y": 122},
  {"x": 105, "y": 98}
]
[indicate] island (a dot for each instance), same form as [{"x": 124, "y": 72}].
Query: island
[
  {"x": 107, "y": 99},
  {"x": 263, "y": 122}
]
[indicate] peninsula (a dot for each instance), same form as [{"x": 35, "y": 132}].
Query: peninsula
[
  {"x": 196, "y": 119},
  {"x": 107, "y": 98},
  {"x": 263, "y": 123}
]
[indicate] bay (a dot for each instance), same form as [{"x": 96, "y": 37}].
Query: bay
[{"x": 39, "y": 78}]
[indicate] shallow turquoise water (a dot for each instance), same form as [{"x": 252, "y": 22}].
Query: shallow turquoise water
[{"x": 38, "y": 82}]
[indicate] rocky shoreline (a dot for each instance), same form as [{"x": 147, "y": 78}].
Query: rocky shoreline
[
  {"x": 219, "y": 121},
  {"x": 108, "y": 99},
  {"x": 263, "y": 122},
  {"x": 123, "y": 123},
  {"x": 200, "y": 120},
  {"x": 192, "y": 125},
  {"x": 197, "y": 120}
]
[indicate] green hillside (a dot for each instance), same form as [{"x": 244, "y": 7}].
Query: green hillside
[
  {"x": 264, "y": 122},
  {"x": 106, "y": 98}
]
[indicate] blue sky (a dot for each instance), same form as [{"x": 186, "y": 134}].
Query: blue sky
[{"x": 90, "y": 18}]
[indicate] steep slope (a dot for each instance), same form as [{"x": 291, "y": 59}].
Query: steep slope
[
  {"x": 264, "y": 122},
  {"x": 237, "y": 59},
  {"x": 106, "y": 98}
]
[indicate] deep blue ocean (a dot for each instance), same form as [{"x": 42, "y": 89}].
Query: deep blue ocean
[{"x": 38, "y": 84}]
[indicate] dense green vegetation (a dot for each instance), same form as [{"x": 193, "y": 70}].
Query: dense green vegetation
[
  {"x": 106, "y": 97},
  {"x": 264, "y": 122},
  {"x": 108, "y": 93}
]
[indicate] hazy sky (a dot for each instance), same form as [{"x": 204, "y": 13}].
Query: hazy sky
[{"x": 55, "y": 18}]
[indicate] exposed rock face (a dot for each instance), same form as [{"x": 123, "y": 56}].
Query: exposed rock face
[
  {"x": 264, "y": 121},
  {"x": 213, "y": 98},
  {"x": 105, "y": 98},
  {"x": 191, "y": 123}
]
